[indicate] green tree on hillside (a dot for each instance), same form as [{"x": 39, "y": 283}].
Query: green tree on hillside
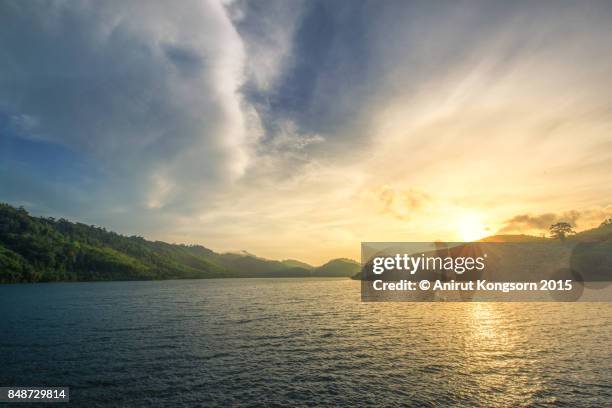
[
  {"x": 561, "y": 230},
  {"x": 35, "y": 249}
]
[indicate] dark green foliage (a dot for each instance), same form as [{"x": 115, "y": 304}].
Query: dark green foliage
[
  {"x": 14, "y": 268},
  {"x": 37, "y": 249}
]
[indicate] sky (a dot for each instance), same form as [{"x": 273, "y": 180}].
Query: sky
[{"x": 298, "y": 129}]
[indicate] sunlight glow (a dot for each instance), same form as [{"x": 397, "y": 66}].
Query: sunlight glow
[{"x": 471, "y": 228}]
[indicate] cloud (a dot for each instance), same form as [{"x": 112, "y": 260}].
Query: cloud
[
  {"x": 147, "y": 92},
  {"x": 583, "y": 219},
  {"x": 266, "y": 29},
  {"x": 523, "y": 222},
  {"x": 399, "y": 203}
]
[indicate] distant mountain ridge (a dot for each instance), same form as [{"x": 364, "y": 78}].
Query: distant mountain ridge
[{"x": 38, "y": 249}]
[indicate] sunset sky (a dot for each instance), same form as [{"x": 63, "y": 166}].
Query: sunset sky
[{"x": 299, "y": 129}]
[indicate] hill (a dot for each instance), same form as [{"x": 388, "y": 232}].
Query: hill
[
  {"x": 338, "y": 267},
  {"x": 39, "y": 249},
  {"x": 513, "y": 238},
  {"x": 601, "y": 233},
  {"x": 292, "y": 263}
]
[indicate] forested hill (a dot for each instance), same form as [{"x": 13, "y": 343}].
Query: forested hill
[{"x": 34, "y": 249}]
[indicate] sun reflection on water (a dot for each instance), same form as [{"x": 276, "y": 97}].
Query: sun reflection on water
[{"x": 499, "y": 352}]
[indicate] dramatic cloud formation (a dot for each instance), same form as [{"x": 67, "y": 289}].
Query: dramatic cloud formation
[
  {"x": 138, "y": 90},
  {"x": 298, "y": 129},
  {"x": 540, "y": 223}
]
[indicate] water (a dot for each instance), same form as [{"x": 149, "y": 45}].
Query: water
[{"x": 298, "y": 342}]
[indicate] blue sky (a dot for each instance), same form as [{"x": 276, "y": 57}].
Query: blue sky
[{"x": 300, "y": 128}]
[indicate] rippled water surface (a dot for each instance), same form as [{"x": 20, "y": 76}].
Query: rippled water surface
[{"x": 298, "y": 342}]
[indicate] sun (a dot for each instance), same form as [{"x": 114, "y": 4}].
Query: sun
[{"x": 470, "y": 228}]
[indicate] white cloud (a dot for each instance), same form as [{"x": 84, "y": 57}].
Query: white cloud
[{"x": 145, "y": 90}]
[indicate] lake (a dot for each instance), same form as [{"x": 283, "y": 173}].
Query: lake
[{"x": 298, "y": 342}]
